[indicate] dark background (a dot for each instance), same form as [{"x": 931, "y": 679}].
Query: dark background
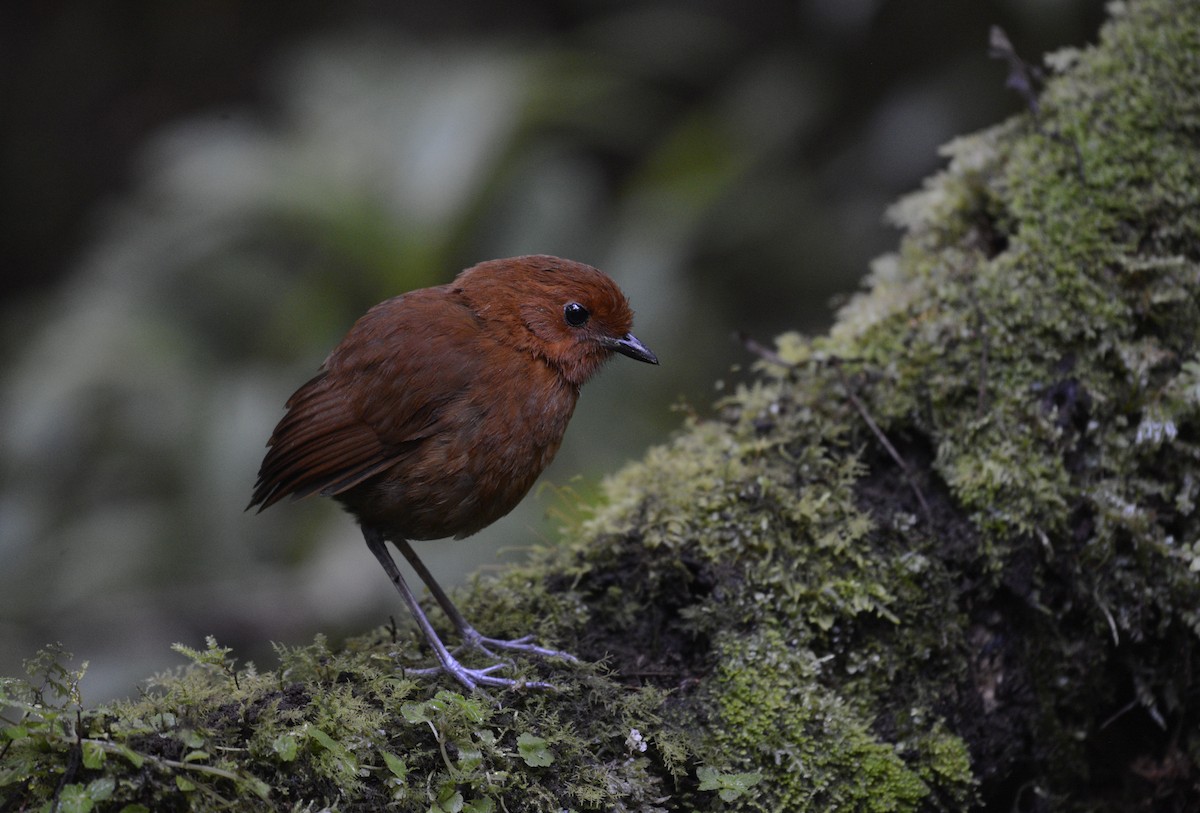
[{"x": 198, "y": 199}]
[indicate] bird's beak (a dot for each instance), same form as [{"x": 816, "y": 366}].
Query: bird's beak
[{"x": 629, "y": 345}]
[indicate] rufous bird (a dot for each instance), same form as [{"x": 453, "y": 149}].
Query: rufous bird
[{"x": 439, "y": 409}]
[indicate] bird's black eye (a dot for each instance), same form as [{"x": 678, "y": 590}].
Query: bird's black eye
[{"x": 576, "y": 314}]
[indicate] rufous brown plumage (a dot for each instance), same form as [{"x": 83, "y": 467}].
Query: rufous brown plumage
[{"x": 439, "y": 409}]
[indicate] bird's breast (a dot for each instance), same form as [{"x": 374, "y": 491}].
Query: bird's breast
[
  {"x": 516, "y": 441},
  {"x": 493, "y": 443}
]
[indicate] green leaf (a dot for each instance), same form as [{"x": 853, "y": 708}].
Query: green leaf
[
  {"x": 484, "y": 805},
  {"x": 134, "y": 808},
  {"x": 14, "y": 732},
  {"x": 184, "y": 784},
  {"x": 534, "y": 750},
  {"x": 261, "y": 789},
  {"x": 192, "y": 739},
  {"x": 93, "y": 755},
  {"x": 729, "y": 786},
  {"x": 349, "y": 763},
  {"x": 327, "y": 742},
  {"x": 135, "y": 759},
  {"x": 469, "y": 755},
  {"x": 449, "y": 801},
  {"x": 397, "y": 766},
  {"x": 286, "y": 746},
  {"x": 415, "y": 712},
  {"x": 75, "y": 799},
  {"x": 101, "y": 789}
]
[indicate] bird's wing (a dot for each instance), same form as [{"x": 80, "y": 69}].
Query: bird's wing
[{"x": 382, "y": 392}]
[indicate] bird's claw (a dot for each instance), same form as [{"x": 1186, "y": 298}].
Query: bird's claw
[
  {"x": 473, "y": 639},
  {"x": 473, "y": 679}
]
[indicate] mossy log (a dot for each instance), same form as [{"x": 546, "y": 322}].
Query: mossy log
[{"x": 947, "y": 556}]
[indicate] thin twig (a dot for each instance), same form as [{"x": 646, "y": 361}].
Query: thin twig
[
  {"x": 767, "y": 354},
  {"x": 1024, "y": 79},
  {"x": 883, "y": 439},
  {"x": 1119, "y": 713},
  {"x": 761, "y": 350}
]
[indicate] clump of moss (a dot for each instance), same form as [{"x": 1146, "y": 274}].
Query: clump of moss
[
  {"x": 973, "y": 504},
  {"x": 340, "y": 730},
  {"x": 813, "y": 751}
]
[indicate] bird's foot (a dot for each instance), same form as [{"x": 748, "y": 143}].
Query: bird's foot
[
  {"x": 474, "y": 679},
  {"x": 475, "y": 640}
]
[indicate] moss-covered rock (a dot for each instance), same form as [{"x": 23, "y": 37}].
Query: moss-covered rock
[{"x": 946, "y": 556}]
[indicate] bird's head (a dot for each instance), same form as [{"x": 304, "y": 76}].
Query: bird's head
[{"x": 568, "y": 313}]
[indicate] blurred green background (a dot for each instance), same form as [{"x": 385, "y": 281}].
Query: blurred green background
[{"x": 199, "y": 199}]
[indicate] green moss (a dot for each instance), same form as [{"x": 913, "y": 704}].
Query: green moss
[
  {"x": 344, "y": 729},
  {"x": 812, "y": 750}
]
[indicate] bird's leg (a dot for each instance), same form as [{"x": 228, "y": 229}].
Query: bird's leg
[
  {"x": 471, "y": 678},
  {"x": 471, "y": 636}
]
